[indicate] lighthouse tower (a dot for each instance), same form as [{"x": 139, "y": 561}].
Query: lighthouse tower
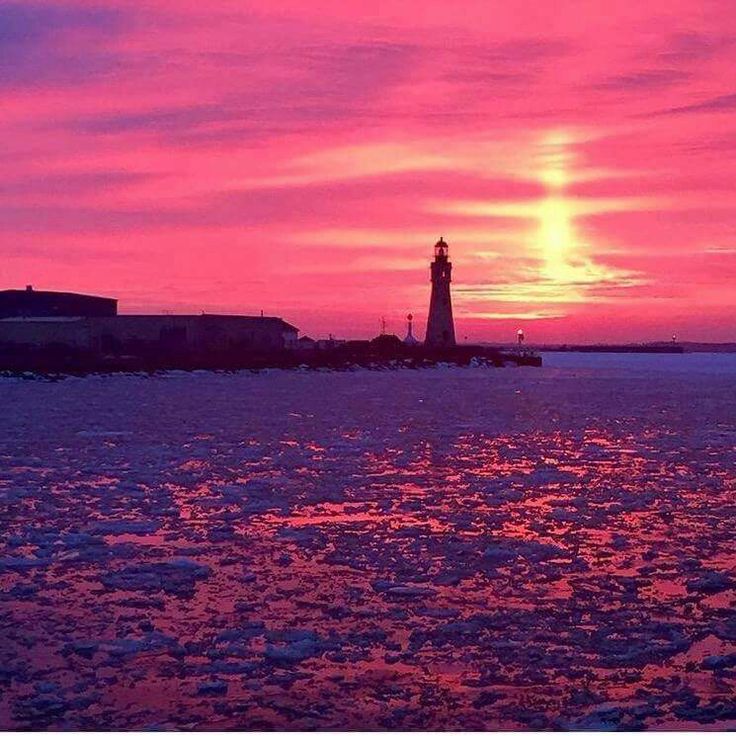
[
  {"x": 440, "y": 326},
  {"x": 410, "y": 339}
]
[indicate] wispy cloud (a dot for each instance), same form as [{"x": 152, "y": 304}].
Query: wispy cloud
[
  {"x": 721, "y": 103},
  {"x": 643, "y": 81},
  {"x": 55, "y": 43},
  {"x": 527, "y": 315},
  {"x": 575, "y": 155},
  {"x": 689, "y": 47}
]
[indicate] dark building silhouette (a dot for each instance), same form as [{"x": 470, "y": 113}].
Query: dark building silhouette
[
  {"x": 440, "y": 325},
  {"x": 31, "y": 303},
  {"x": 31, "y": 319},
  {"x": 306, "y": 343},
  {"x": 190, "y": 333},
  {"x": 150, "y": 334},
  {"x": 387, "y": 344}
]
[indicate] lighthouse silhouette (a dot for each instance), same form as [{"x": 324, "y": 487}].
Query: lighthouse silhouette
[{"x": 440, "y": 326}]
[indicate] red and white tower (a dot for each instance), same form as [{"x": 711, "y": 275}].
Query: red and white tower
[{"x": 440, "y": 325}]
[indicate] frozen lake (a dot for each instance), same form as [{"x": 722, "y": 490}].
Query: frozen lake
[
  {"x": 436, "y": 549},
  {"x": 724, "y": 363}
]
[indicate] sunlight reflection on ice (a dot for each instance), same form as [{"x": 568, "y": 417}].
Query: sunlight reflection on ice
[{"x": 420, "y": 549}]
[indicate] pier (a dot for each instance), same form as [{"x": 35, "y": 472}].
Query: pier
[{"x": 350, "y": 355}]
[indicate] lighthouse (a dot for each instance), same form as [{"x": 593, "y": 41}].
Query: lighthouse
[
  {"x": 440, "y": 326},
  {"x": 410, "y": 339}
]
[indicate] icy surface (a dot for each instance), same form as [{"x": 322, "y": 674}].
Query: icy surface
[{"x": 454, "y": 548}]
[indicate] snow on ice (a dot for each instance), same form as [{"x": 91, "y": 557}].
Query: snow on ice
[{"x": 455, "y": 548}]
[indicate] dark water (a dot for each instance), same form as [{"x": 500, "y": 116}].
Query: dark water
[{"x": 460, "y": 548}]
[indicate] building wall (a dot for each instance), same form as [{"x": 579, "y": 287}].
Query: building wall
[
  {"x": 71, "y": 332},
  {"x": 196, "y": 332},
  {"x": 165, "y": 332}
]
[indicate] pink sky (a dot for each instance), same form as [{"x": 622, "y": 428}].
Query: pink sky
[{"x": 579, "y": 157}]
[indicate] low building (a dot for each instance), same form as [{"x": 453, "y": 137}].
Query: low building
[
  {"x": 138, "y": 334},
  {"x": 387, "y": 344},
  {"x": 45, "y": 332},
  {"x": 329, "y": 344},
  {"x": 306, "y": 343},
  {"x": 29, "y": 302},
  {"x": 196, "y": 333},
  {"x": 31, "y": 319}
]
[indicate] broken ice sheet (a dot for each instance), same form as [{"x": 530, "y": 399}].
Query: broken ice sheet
[{"x": 336, "y": 551}]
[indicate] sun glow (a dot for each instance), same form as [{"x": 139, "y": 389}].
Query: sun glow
[
  {"x": 557, "y": 236},
  {"x": 561, "y": 264}
]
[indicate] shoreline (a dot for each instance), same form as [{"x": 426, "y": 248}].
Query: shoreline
[{"x": 339, "y": 359}]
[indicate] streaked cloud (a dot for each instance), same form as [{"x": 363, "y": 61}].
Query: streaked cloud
[
  {"x": 576, "y": 157},
  {"x": 720, "y": 103},
  {"x": 646, "y": 79}
]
